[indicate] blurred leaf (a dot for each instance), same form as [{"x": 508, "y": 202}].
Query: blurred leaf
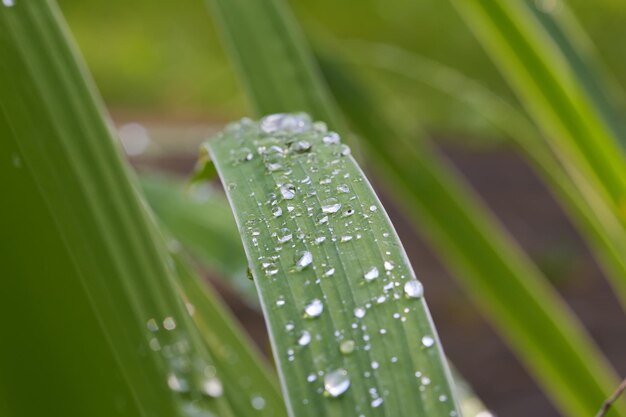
[
  {"x": 344, "y": 310},
  {"x": 203, "y": 222},
  {"x": 242, "y": 366},
  {"x": 550, "y": 86},
  {"x": 97, "y": 326},
  {"x": 594, "y": 217}
]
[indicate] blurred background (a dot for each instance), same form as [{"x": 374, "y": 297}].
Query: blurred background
[{"x": 168, "y": 85}]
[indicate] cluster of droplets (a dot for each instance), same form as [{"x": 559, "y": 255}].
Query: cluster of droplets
[{"x": 310, "y": 187}]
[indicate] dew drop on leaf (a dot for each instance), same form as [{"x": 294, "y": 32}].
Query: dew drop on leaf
[
  {"x": 359, "y": 312},
  {"x": 428, "y": 341},
  {"x": 371, "y": 274},
  {"x": 331, "y": 205},
  {"x": 336, "y": 382},
  {"x": 346, "y": 347},
  {"x": 303, "y": 259},
  {"x": 288, "y": 191},
  {"x": 305, "y": 338},
  {"x": 413, "y": 289},
  {"x": 314, "y": 308}
]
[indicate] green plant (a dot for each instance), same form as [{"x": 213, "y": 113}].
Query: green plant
[{"x": 350, "y": 331}]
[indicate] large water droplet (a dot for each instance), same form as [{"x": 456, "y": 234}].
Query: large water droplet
[
  {"x": 413, "y": 289},
  {"x": 336, "y": 382},
  {"x": 288, "y": 191},
  {"x": 303, "y": 259},
  {"x": 331, "y": 138},
  {"x": 428, "y": 341},
  {"x": 277, "y": 211},
  {"x": 314, "y": 308},
  {"x": 289, "y": 123},
  {"x": 284, "y": 235},
  {"x": 371, "y": 274},
  {"x": 331, "y": 205}
]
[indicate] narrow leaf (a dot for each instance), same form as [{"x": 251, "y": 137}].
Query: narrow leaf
[{"x": 345, "y": 313}]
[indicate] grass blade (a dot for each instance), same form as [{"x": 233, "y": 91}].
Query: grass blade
[
  {"x": 344, "y": 311},
  {"x": 549, "y": 87}
]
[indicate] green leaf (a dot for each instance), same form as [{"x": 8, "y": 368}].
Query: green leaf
[
  {"x": 344, "y": 310},
  {"x": 507, "y": 286},
  {"x": 562, "y": 105},
  {"x": 97, "y": 326}
]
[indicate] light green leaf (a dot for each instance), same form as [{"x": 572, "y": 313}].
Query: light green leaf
[
  {"x": 548, "y": 83},
  {"x": 344, "y": 310}
]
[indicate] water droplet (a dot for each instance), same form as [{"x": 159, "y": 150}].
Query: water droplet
[
  {"x": 152, "y": 325},
  {"x": 213, "y": 387},
  {"x": 330, "y": 272},
  {"x": 8, "y": 3},
  {"x": 331, "y": 138},
  {"x": 300, "y": 146},
  {"x": 443, "y": 398},
  {"x": 373, "y": 208},
  {"x": 241, "y": 155},
  {"x": 336, "y": 382},
  {"x": 428, "y": 341},
  {"x": 346, "y": 347},
  {"x": 258, "y": 402},
  {"x": 288, "y": 191},
  {"x": 375, "y": 365},
  {"x": 389, "y": 266},
  {"x": 277, "y": 211},
  {"x": 284, "y": 235},
  {"x": 345, "y": 150},
  {"x": 331, "y": 205},
  {"x": 371, "y": 274},
  {"x": 359, "y": 312},
  {"x": 343, "y": 188},
  {"x": 305, "y": 338},
  {"x": 425, "y": 380},
  {"x": 280, "y": 301},
  {"x": 169, "y": 323},
  {"x": 377, "y": 402},
  {"x": 289, "y": 123},
  {"x": 311, "y": 377},
  {"x": 303, "y": 259},
  {"x": 413, "y": 289},
  {"x": 177, "y": 383},
  {"x": 314, "y": 308}
]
